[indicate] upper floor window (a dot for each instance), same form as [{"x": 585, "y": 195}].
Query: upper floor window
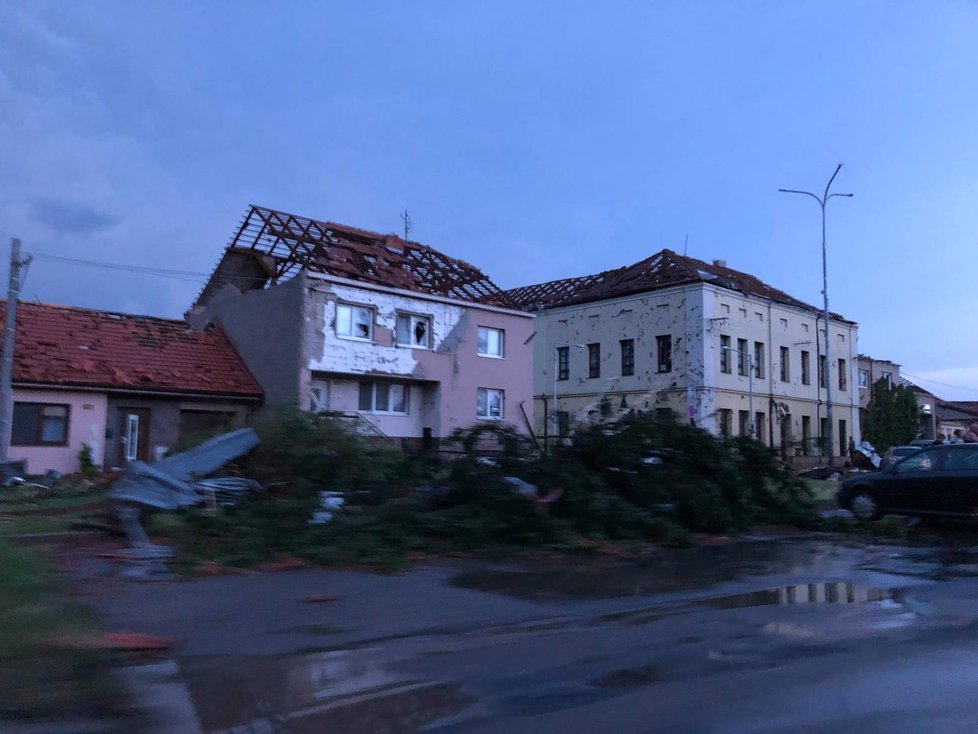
[
  {"x": 742, "y": 357},
  {"x": 863, "y": 378},
  {"x": 821, "y": 370},
  {"x": 627, "y": 357},
  {"x": 889, "y": 379},
  {"x": 725, "y": 353},
  {"x": 413, "y": 331},
  {"x": 354, "y": 322},
  {"x": 489, "y": 403},
  {"x": 785, "y": 365},
  {"x": 843, "y": 378},
  {"x": 39, "y": 424},
  {"x": 759, "y": 360},
  {"x": 594, "y": 360},
  {"x": 664, "y": 347},
  {"x": 806, "y": 368},
  {"x": 491, "y": 342},
  {"x": 384, "y": 397},
  {"x": 563, "y": 363}
]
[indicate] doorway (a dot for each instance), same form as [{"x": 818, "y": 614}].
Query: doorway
[{"x": 133, "y": 435}]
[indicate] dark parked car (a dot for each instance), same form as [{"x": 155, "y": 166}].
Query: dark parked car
[
  {"x": 895, "y": 453},
  {"x": 939, "y": 480}
]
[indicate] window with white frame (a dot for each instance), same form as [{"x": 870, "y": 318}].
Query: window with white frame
[
  {"x": 489, "y": 403},
  {"x": 384, "y": 397},
  {"x": 413, "y": 331},
  {"x": 318, "y": 396},
  {"x": 354, "y": 322},
  {"x": 491, "y": 342}
]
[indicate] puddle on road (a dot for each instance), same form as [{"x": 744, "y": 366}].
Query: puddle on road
[
  {"x": 346, "y": 691},
  {"x": 660, "y": 572},
  {"x": 831, "y": 592}
]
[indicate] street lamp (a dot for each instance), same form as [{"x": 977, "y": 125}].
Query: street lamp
[
  {"x": 823, "y": 200},
  {"x": 750, "y": 385}
]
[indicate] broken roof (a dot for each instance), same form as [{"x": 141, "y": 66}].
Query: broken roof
[
  {"x": 665, "y": 269},
  {"x": 279, "y": 245},
  {"x": 77, "y": 347}
]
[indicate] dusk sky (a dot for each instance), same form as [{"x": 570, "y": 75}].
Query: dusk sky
[{"x": 534, "y": 140}]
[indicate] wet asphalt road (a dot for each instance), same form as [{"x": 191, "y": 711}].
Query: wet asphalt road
[{"x": 803, "y": 634}]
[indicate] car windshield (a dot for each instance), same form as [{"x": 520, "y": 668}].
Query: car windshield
[{"x": 919, "y": 461}]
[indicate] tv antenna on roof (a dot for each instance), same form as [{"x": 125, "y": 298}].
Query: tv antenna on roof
[
  {"x": 406, "y": 218},
  {"x": 685, "y": 245}
]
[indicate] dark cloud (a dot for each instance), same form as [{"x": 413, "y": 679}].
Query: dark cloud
[{"x": 71, "y": 218}]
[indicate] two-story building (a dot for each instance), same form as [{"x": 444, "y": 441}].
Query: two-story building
[
  {"x": 702, "y": 340},
  {"x": 411, "y": 342}
]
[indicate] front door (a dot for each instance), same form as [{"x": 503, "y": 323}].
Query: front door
[{"x": 133, "y": 435}]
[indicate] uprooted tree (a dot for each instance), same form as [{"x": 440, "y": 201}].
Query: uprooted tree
[{"x": 892, "y": 416}]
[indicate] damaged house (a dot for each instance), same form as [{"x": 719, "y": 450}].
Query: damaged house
[
  {"x": 401, "y": 339},
  {"x": 701, "y": 340},
  {"x": 129, "y": 387}
]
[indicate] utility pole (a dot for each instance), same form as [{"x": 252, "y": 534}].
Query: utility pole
[
  {"x": 405, "y": 217},
  {"x": 7, "y": 363},
  {"x": 823, "y": 200}
]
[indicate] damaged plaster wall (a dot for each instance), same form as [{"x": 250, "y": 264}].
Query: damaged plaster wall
[
  {"x": 444, "y": 379},
  {"x": 676, "y": 312},
  {"x": 775, "y": 325}
]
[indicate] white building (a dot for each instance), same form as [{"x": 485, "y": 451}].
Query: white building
[{"x": 715, "y": 345}]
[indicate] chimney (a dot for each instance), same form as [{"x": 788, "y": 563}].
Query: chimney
[{"x": 720, "y": 263}]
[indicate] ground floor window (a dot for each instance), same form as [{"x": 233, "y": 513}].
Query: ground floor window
[
  {"x": 489, "y": 403},
  {"x": 384, "y": 397},
  {"x": 39, "y": 424}
]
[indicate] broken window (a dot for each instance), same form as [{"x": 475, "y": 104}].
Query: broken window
[
  {"x": 491, "y": 342},
  {"x": 593, "y": 360},
  {"x": 354, "y": 322},
  {"x": 413, "y": 331},
  {"x": 760, "y": 427},
  {"x": 742, "y": 357},
  {"x": 726, "y": 419},
  {"x": 863, "y": 378},
  {"x": 743, "y": 418},
  {"x": 806, "y": 369},
  {"x": 489, "y": 403},
  {"x": 384, "y": 397},
  {"x": 785, "y": 364},
  {"x": 725, "y": 354},
  {"x": 563, "y": 363},
  {"x": 627, "y": 357},
  {"x": 39, "y": 424},
  {"x": 318, "y": 396},
  {"x": 664, "y": 347}
]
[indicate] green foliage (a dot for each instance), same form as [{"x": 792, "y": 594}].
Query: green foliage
[
  {"x": 642, "y": 479},
  {"x": 892, "y": 416},
  {"x": 85, "y": 460}
]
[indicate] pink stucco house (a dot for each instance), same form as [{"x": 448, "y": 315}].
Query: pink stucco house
[
  {"x": 410, "y": 342},
  {"x": 129, "y": 387}
]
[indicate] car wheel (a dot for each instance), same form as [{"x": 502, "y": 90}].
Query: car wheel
[{"x": 864, "y": 506}]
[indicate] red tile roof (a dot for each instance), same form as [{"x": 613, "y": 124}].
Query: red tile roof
[
  {"x": 284, "y": 243},
  {"x": 665, "y": 269},
  {"x": 61, "y": 345}
]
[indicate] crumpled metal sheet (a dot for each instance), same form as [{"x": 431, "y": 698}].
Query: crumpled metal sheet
[
  {"x": 169, "y": 484},
  {"x": 210, "y": 455}
]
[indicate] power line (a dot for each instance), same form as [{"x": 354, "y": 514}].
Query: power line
[
  {"x": 187, "y": 275},
  {"x": 942, "y": 384}
]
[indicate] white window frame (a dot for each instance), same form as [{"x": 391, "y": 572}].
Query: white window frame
[
  {"x": 863, "y": 378},
  {"x": 483, "y": 404},
  {"x": 501, "y": 342},
  {"x": 403, "y": 386},
  {"x": 345, "y": 325},
  {"x": 318, "y": 396},
  {"x": 412, "y": 320}
]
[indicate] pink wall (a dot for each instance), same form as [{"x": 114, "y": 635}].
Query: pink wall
[
  {"x": 86, "y": 424},
  {"x": 461, "y": 376}
]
